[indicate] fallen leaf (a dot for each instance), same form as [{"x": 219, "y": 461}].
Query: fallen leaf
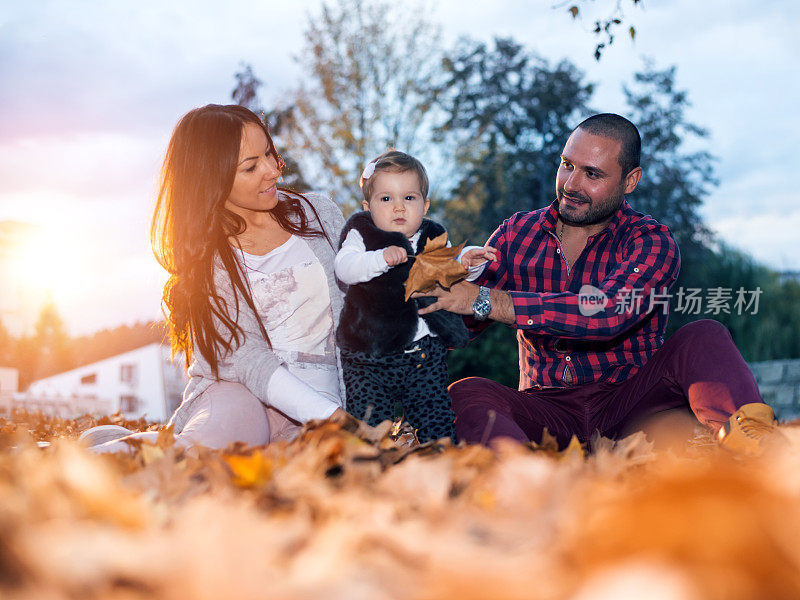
[
  {"x": 340, "y": 513},
  {"x": 250, "y": 471},
  {"x": 435, "y": 265},
  {"x": 151, "y": 453},
  {"x": 548, "y": 444},
  {"x": 574, "y": 449},
  {"x": 165, "y": 437}
]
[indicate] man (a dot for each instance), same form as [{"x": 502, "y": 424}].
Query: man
[{"x": 585, "y": 281}]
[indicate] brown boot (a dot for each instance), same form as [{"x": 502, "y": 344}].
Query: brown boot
[{"x": 748, "y": 428}]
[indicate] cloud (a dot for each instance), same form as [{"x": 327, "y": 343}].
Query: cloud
[
  {"x": 91, "y": 92},
  {"x": 86, "y": 66},
  {"x": 748, "y": 193},
  {"x": 770, "y": 237},
  {"x": 83, "y": 165}
]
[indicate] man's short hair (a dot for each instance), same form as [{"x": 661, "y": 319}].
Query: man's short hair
[
  {"x": 618, "y": 128},
  {"x": 395, "y": 161}
]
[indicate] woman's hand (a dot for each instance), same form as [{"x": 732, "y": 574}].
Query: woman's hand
[
  {"x": 394, "y": 255},
  {"x": 477, "y": 256},
  {"x": 345, "y": 419},
  {"x": 359, "y": 428}
]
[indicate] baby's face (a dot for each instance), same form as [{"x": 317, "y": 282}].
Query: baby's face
[{"x": 397, "y": 203}]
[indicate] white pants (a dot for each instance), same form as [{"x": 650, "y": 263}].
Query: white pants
[{"x": 225, "y": 413}]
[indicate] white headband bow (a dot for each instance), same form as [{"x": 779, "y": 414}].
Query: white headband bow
[{"x": 368, "y": 170}]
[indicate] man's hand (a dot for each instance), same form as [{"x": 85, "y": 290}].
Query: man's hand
[
  {"x": 462, "y": 295},
  {"x": 457, "y": 300},
  {"x": 394, "y": 255},
  {"x": 478, "y": 256}
]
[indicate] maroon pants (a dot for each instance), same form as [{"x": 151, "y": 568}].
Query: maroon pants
[{"x": 698, "y": 367}]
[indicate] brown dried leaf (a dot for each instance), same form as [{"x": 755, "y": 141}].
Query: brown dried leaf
[
  {"x": 375, "y": 434},
  {"x": 334, "y": 513},
  {"x": 548, "y": 444},
  {"x": 165, "y": 437},
  {"x": 573, "y": 450},
  {"x": 151, "y": 453},
  {"x": 436, "y": 265}
]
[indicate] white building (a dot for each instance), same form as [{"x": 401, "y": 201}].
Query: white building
[
  {"x": 140, "y": 383},
  {"x": 9, "y": 383}
]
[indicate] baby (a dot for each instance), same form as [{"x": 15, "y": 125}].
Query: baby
[{"x": 393, "y": 360}]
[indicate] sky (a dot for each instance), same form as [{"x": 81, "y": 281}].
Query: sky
[{"x": 90, "y": 91}]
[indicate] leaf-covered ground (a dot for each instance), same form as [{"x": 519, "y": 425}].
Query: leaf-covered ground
[{"x": 333, "y": 516}]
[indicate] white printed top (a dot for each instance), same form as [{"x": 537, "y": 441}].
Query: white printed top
[{"x": 290, "y": 293}]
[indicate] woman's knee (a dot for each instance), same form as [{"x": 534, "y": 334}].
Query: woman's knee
[
  {"x": 231, "y": 392},
  {"x": 227, "y": 412}
]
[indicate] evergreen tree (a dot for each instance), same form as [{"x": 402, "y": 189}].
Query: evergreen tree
[
  {"x": 246, "y": 94},
  {"x": 766, "y": 327},
  {"x": 25, "y": 359},
  {"x": 52, "y": 342},
  {"x": 5, "y": 346},
  {"x": 509, "y": 114},
  {"x": 675, "y": 182},
  {"x": 246, "y": 91}
]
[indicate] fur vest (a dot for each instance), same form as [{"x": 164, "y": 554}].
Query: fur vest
[{"x": 376, "y": 319}]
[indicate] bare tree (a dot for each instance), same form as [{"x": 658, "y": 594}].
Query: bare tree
[{"x": 371, "y": 68}]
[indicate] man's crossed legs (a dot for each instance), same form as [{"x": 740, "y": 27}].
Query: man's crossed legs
[{"x": 697, "y": 368}]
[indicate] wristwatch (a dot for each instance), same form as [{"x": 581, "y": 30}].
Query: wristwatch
[{"x": 482, "y": 305}]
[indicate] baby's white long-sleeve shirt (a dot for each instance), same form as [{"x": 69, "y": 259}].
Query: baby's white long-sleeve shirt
[{"x": 355, "y": 264}]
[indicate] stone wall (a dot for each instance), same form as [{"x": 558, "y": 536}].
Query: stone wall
[{"x": 779, "y": 383}]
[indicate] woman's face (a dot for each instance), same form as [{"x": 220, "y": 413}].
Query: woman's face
[{"x": 255, "y": 185}]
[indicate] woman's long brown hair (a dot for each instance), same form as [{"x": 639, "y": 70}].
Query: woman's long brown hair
[{"x": 191, "y": 229}]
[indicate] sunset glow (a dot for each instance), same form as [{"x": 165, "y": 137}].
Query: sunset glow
[
  {"x": 46, "y": 261},
  {"x": 84, "y": 126}
]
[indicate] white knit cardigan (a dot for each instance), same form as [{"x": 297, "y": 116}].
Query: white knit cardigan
[{"x": 252, "y": 363}]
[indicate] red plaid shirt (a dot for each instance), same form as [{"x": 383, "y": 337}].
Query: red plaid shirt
[{"x": 633, "y": 261}]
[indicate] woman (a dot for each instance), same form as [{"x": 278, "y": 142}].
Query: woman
[{"x": 251, "y": 299}]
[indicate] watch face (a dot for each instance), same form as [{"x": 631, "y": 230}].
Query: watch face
[
  {"x": 482, "y": 305},
  {"x": 482, "y": 308}
]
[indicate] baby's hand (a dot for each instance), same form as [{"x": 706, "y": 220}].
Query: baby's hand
[
  {"x": 394, "y": 255},
  {"x": 477, "y": 256}
]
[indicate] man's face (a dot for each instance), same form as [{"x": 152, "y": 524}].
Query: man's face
[{"x": 590, "y": 184}]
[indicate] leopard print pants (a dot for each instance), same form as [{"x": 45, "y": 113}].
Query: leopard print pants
[{"x": 413, "y": 383}]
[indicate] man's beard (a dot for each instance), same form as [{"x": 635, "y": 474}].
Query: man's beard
[{"x": 597, "y": 212}]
